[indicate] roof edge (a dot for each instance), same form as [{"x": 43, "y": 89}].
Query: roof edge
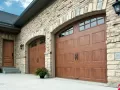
[
  {"x": 31, "y": 11},
  {"x": 26, "y": 10},
  {"x": 9, "y": 28}
]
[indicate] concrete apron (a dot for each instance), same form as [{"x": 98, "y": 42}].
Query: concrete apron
[{"x": 32, "y": 82}]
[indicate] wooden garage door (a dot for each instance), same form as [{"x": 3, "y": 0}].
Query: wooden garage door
[
  {"x": 81, "y": 50},
  {"x": 36, "y": 54},
  {"x": 8, "y": 53}
]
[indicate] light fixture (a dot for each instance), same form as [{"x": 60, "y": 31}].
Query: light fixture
[
  {"x": 21, "y": 46},
  {"x": 116, "y": 6}
]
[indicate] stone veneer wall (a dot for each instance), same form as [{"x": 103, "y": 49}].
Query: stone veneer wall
[
  {"x": 57, "y": 15},
  {"x": 7, "y": 37},
  {"x": 113, "y": 44}
]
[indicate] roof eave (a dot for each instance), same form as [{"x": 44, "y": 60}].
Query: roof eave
[
  {"x": 9, "y": 29},
  {"x": 32, "y": 10}
]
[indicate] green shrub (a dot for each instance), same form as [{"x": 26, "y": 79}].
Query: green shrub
[
  {"x": 0, "y": 70},
  {"x": 41, "y": 71}
]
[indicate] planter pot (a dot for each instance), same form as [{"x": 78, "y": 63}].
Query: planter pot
[{"x": 42, "y": 77}]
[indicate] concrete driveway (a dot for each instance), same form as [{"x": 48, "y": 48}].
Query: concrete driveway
[{"x": 31, "y": 82}]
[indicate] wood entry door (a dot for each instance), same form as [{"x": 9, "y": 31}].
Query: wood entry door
[
  {"x": 81, "y": 51},
  {"x": 8, "y": 53},
  {"x": 36, "y": 55}
]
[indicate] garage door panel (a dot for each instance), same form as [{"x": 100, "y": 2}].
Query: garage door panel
[
  {"x": 82, "y": 73},
  {"x": 99, "y": 55},
  {"x": 69, "y": 72},
  {"x": 69, "y": 58},
  {"x": 84, "y": 53},
  {"x": 80, "y": 57},
  {"x": 87, "y": 73},
  {"x": 60, "y": 60},
  {"x": 77, "y": 72},
  {"x": 99, "y": 74},
  {"x": 60, "y": 45},
  {"x": 99, "y": 28},
  {"x": 32, "y": 70},
  {"x": 92, "y": 64},
  {"x": 98, "y": 46},
  {"x": 71, "y": 43},
  {"x": 65, "y": 44},
  {"x": 84, "y": 40},
  {"x": 36, "y": 55},
  {"x": 87, "y": 56},
  {"x": 98, "y": 37},
  {"x": 59, "y": 71}
]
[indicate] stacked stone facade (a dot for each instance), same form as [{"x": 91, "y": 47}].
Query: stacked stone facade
[
  {"x": 57, "y": 16},
  {"x": 113, "y": 44}
]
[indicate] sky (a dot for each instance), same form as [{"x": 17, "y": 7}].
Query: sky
[{"x": 14, "y": 6}]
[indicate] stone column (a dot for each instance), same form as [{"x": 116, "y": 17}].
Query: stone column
[
  {"x": 48, "y": 54},
  {"x": 113, "y": 45}
]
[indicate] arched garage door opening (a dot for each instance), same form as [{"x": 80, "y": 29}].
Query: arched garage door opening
[
  {"x": 81, "y": 50},
  {"x": 36, "y": 54}
]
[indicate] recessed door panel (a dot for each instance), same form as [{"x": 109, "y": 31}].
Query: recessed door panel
[{"x": 8, "y": 53}]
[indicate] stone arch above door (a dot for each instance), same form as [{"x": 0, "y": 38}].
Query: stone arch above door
[
  {"x": 94, "y": 7},
  {"x": 33, "y": 38}
]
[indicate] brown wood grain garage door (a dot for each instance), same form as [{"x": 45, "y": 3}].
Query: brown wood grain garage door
[
  {"x": 81, "y": 51},
  {"x": 36, "y": 55},
  {"x": 8, "y": 53}
]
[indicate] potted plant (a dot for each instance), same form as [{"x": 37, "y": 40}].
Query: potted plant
[
  {"x": 0, "y": 70},
  {"x": 42, "y": 72}
]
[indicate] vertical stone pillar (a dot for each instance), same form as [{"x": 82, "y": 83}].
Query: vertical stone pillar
[
  {"x": 113, "y": 45},
  {"x": 48, "y": 54}
]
